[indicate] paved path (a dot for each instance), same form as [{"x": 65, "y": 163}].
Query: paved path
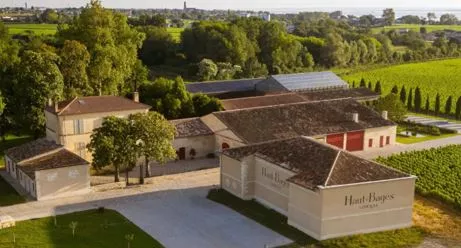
[
  {"x": 387, "y": 151},
  {"x": 173, "y": 210}
]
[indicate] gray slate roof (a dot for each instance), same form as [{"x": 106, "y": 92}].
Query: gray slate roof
[
  {"x": 316, "y": 164},
  {"x": 310, "y": 81},
  {"x": 216, "y": 87},
  {"x": 191, "y": 127},
  {"x": 31, "y": 149}
]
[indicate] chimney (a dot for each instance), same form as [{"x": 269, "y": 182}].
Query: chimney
[
  {"x": 384, "y": 114},
  {"x": 355, "y": 117},
  {"x": 56, "y": 107},
  {"x": 136, "y": 96}
]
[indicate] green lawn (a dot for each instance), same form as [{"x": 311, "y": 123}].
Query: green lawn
[
  {"x": 411, "y": 140},
  {"x": 416, "y": 27},
  {"x": 38, "y": 29},
  {"x": 410, "y": 237},
  {"x": 11, "y": 141},
  {"x": 176, "y": 33},
  {"x": 94, "y": 229},
  {"x": 441, "y": 76},
  {"x": 9, "y": 196}
]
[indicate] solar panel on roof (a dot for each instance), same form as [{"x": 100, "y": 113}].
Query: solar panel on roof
[{"x": 310, "y": 81}]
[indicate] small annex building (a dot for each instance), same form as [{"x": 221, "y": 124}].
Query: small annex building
[
  {"x": 324, "y": 191},
  {"x": 344, "y": 123},
  {"x": 193, "y": 139},
  {"x": 47, "y": 170}
]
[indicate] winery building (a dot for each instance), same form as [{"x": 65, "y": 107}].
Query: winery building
[{"x": 324, "y": 191}]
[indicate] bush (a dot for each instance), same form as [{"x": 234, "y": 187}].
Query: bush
[{"x": 421, "y": 128}]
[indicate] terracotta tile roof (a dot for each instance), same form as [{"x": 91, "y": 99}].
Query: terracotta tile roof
[
  {"x": 257, "y": 125},
  {"x": 278, "y": 99},
  {"x": 190, "y": 128},
  {"x": 31, "y": 149},
  {"x": 316, "y": 164},
  {"x": 96, "y": 104},
  {"x": 59, "y": 159}
]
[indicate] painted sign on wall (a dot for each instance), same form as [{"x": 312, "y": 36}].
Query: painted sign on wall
[
  {"x": 275, "y": 177},
  {"x": 371, "y": 200}
]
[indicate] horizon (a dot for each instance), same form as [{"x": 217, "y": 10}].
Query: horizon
[{"x": 271, "y": 5}]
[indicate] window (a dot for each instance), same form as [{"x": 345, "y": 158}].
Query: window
[
  {"x": 388, "y": 140},
  {"x": 370, "y": 143},
  {"x": 78, "y": 127},
  {"x": 80, "y": 149}
]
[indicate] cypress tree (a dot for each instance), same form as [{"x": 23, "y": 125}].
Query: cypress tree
[
  {"x": 378, "y": 88},
  {"x": 353, "y": 84},
  {"x": 403, "y": 95},
  {"x": 410, "y": 99},
  {"x": 448, "y": 105},
  {"x": 362, "y": 83},
  {"x": 437, "y": 104},
  {"x": 370, "y": 86},
  {"x": 418, "y": 100},
  {"x": 458, "y": 108},
  {"x": 427, "y": 104},
  {"x": 395, "y": 89}
]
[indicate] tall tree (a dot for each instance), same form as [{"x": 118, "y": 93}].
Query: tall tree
[
  {"x": 353, "y": 84},
  {"x": 395, "y": 108},
  {"x": 154, "y": 136},
  {"x": 363, "y": 84},
  {"x": 418, "y": 99},
  {"x": 410, "y": 99},
  {"x": 395, "y": 90},
  {"x": 389, "y": 16},
  {"x": 458, "y": 108},
  {"x": 74, "y": 63},
  {"x": 378, "y": 88},
  {"x": 427, "y": 107},
  {"x": 437, "y": 104},
  {"x": 38, "y": 80},
  {"x": 448, "y": 105},
  {"x": 431, "y": 17},
  {"x": 403, "y": 95},
  {"x": 370, "y": 85},
  {"x": 113, "y": 46}
]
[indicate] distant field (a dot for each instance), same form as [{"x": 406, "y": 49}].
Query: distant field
[
  {"x": 441, "y": 76},
  {"x": 176, "y": 33},
  {"x": 416, "y": 27},
  {"x": 38, "y": 29}
]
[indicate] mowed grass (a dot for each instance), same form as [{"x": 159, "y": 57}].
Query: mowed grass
[
  {"x": 412, "y": 140},
  {"x": 38, "y": 29},
  {"x": 416, "y": 27},
  {"x": 9, "y": 196},
  {"x": 94, "y": 229},
  {"x": 175, "y": 33},
  {"x": 441, "y": 76}
]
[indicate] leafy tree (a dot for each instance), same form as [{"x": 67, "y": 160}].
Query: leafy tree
[
  {"x": 334, "y": 51},
  {"x": 38, "y": 80},
  {"x": 154, "y": 136},
  {"x": 418, "y": 99},
  {"x": 448, "y": 19},
  {"x": 74, "y": 63},
  {"x": 431, "y": 16},
  {"x": 391, "y": 103},
  {"x": 49, "y": 16},
  {"x": 410, "y": 99},
  {"x": 458, "y": 108},
  {"x": 138, "y": 75},
  {"x": 437, "y": 104},
  {"x": 112, "y": 145},
  {"x": 427, "y": 107},
  {"x": 403, "y": 95},
  {"x": 207, "y": 70},
  {"x": 353, "y": 84},
  {"x": 389, "y": 16},
  {"x": 253, "y": 68},
  {"x": 113, "y": 46},
  {"x": 448, "y": 105},
  {"x": 395, "y": 90},
  {"x": 370, "y": 85},
  {"x": 378, "y": 88},
  {"x": 157, "y": 47},
  {"x": 204, "y": 104},
  {"x": 363, "y": 84}
]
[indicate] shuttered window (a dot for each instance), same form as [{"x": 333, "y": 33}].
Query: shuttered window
[{"x": 78, "y": 127}]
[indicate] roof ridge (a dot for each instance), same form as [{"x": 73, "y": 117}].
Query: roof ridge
[
  {"x": 332, "y": 168},
  {"x": 253, "y": 97},
  {"x": 67, "y": 106}
]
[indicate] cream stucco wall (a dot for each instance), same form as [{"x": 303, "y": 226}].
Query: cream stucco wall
[
  {"x": 376, "y": 133},
  {"x": 231, "y": 175},
  {"x": 62, "y": 182},
  {"x": 203, "y": 145}
]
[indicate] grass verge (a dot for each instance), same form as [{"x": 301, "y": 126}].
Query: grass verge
[
  {"x": 410, "y": 237},
  {"x": 9, "y": 196},
  {"x": 107, "y": 229},
  {"x": 412, "y": 140}
]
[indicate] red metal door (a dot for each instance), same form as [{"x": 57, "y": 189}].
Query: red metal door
[
  {"x": 336, "y": 140},
  {"x": 355, "y": 141}
]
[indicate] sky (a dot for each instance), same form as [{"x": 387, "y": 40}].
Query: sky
[{"x": 244, "y": 4}]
